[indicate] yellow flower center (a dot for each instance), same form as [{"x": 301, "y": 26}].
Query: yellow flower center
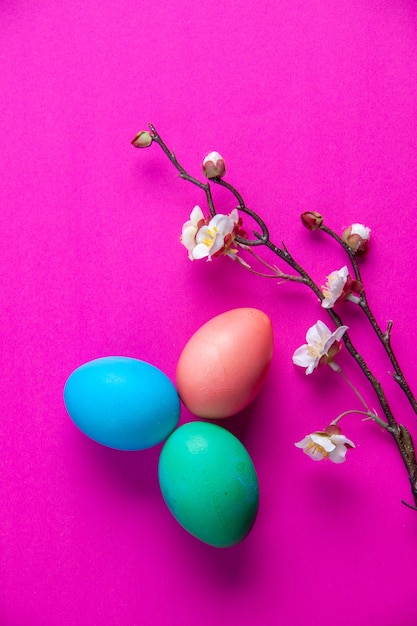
[
  {"x": 315, "y": 447},
  {"x": 208, "y": 241},
  {"x": 316, "y": 350},
  {"x": 327, "y": 289}
]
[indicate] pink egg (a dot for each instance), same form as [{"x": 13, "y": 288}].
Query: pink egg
[{"x": 224, "y": 364}]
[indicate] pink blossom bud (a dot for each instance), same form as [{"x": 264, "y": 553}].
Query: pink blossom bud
[
  {"x": 143, "y": 139},
  {"x": 214, "y": 165},
  {"x": 312, "y": 220},
  {"x": 357, "y": 238},
  {"x": 333, "y": 429}
]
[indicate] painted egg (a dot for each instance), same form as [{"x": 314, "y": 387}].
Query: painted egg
[
  {"x": 209, "y": 483},
  {"x": 121, "y": 402},
  {"x": 224, "y": 364}
]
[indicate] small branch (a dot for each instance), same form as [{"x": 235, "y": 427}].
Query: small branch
[
  {"x": 183, "y": 173},
  {"x": 410, "y": 506},
  {"x": 387, "y": 335},
  {"x": 277, "y": 272},
  {"x": 260, "y": 239}
]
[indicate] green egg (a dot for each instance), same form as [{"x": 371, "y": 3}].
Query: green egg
[{"x": 209, "y": 483}]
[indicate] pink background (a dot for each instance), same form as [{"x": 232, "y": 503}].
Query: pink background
[{"x": 314, "y": 105}]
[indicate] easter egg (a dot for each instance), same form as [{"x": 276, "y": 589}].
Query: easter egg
[
  {"x": 209, "y": 483},
  {"x": 121, "y": 402},
  {"x": 224, "y": 364}
]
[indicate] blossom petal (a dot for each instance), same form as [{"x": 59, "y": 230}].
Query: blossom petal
[
  {"x": 304, "y": 442},
  {"x": 203, "y": 235},
  {"x": 201, "y": 251},
  {"x": 223, "y": 223},
  {"x": 361, "y": 230},
  {"x": 342, "y": 273},
  {"x": 187, "y": 224},
  {"x": 302, "y": 356},
  {"x": 339, "y": 332},
  {"x": 318, "y": 334},
  {"x": 234, "y": 215},
  {"x": 338, "y": 455},
  {"x": 342, "y": 440},
  {"x": 188, "y": 237},
  {"x": 217, "y": 244},
  {"x": 324, "y": 441},
  {"x": 196, "y": 215},
  {"x": 334, "y": 288},
  {"x": 328, "y": 303},
  {"x": 334, "y": 337}
]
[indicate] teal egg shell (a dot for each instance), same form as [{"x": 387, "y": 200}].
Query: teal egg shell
[
  {"x": 121, "y": 402},
  {"x": 209, "y": 483}
]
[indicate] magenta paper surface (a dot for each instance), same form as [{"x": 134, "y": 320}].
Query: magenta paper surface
[{"x": 314, "y": 106}]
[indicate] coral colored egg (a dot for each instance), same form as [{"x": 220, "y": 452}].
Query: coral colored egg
[
  {"x": 209, "y": 483},
  {"x": 121, "y": 402},
  {"x": 224, "y": 364}
]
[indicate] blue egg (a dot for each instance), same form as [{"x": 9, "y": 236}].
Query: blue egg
[{"x": 122, "y": 403}]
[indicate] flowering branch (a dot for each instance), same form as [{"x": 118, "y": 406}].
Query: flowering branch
[{"x": 215, "y": 236}]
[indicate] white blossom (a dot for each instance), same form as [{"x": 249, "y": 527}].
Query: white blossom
[
  {"x": 321, "y": 347},
  {"x": 330, "y": 443}
]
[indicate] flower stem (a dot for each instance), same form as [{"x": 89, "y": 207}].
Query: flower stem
[
  {"x": 277, "y": 273},
  {"x": 339, "y": 370},
  {"x": 372, "y": 415},
  {"x": 368, "y": 414}
]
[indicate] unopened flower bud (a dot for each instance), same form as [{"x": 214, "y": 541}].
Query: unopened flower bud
[
  {"x": 312, "y": 220},
  {"x": 357, "y": 238},
  {"x": 143, "y": 139},
  {"x": 214, "y": 165}
]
